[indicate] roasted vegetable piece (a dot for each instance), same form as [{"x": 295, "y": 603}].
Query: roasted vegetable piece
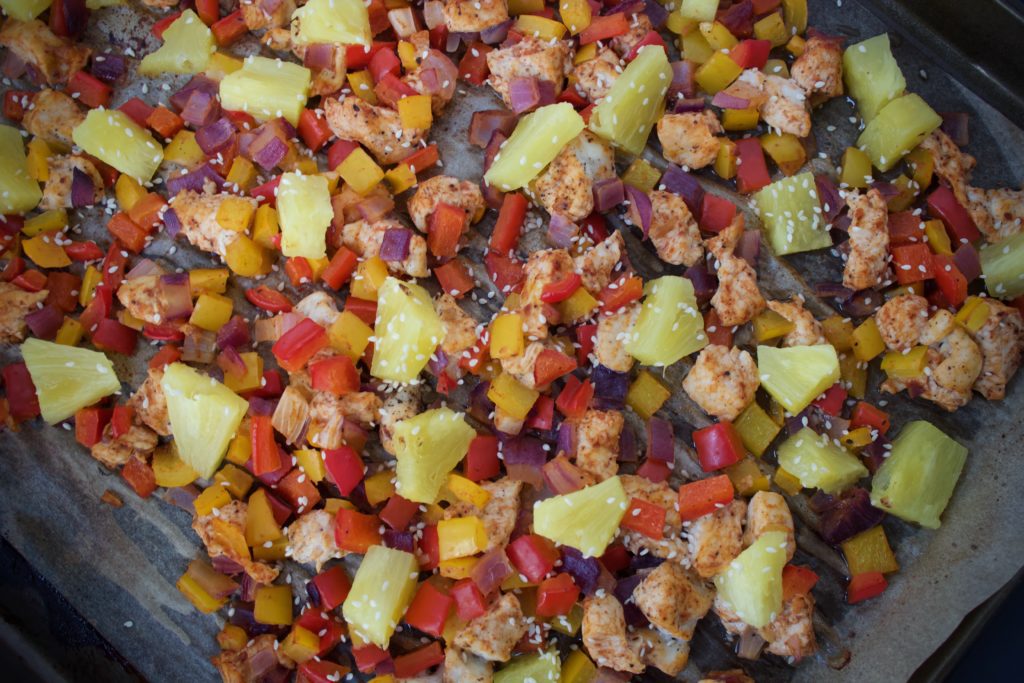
[
  {"x": 873, "y": 78},
  {"x": 791, "y": 213},
  {"x": 112, "y": 137},
  {"x": 537, "y": 139},
  {"x": 428, "y": 447},
  {"x": 796, "y": 375},
  {"x": 670, "y": 325},
  {"x": 383, "y": 587},
  {"x": 635, "y": 102},
  {"x": 19, "y": 193},
  {"x": 818, "y": 463},
  {"x": 408, "y": 330},
  {"x": 332, "y": 21},
  {"x": 25, "y": 10},
  {"x": 917, "y": 480},
  {"x": 188, "y": 44},
  {"x": 304, "y": 212},
  {"x": 586, "y": 519},
  {"x": 266, "y": 89},
  {"x": 539, "y": 666},
  {"x": 1003, "y": 267},
  {"x": 752, "y": 585},
  {"x": 67, "y": 378},
  {"x": 899, "y": 127}
]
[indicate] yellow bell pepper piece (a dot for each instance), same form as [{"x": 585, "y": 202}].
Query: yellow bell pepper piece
[
  {"x": 208, "y": 281},
  {"x": 211, "y": 312},
  {"x": 787, "y": 482},
  {"x": 680, "y": 25},
  {"x": 786, "y": 151},
  {"x": 776, "y": 67},
  {"x": 380, "y": 486},
  {"x": 747, "y": 478},
  {"x": 725, "y": 161},
  {"x": 922, "y": 166},
  {"x": 311, "y": 462},
  {"x": 938, "y": 238},
  {"x": 756, "y": 428},
  {"x": 507, "y": 336},
  {"x": 512, "y": 396},
  {"x": 839, "y": 332},
  {"x": 740, "y": 119},
  {"x": 460, "y": 537},
  {"x": 300, "y": 645},
  {"x": 458, "y": 568},
  {"x": 170, "y": 470},
  {"x": 400, "y": 178},
  {"x": 200, "y": 599},
  {"x": 273, "y": 605},
  {"x": 695, "y": 47},
  {"x": 642, "y": 175},
  {"x": 70, "y": 332},
  {"x": 242, "y": 174},
  {"x": 856, "y": 170},
  {"x": 234, "y": 479},
  {"x": 246, "y": 258},
  {"x": 869, "y": 551},
  {"x": 770, "y": 325},
  {"x": 854, "y": 374},
  {"x": 415, "y": 112},
  {"x": 576, "y": 15},
  {"x": 902, "y": 200},
  {"x": 717, "y": 73},
  {"x": 585, "y": 53},
  {"x": 867, "y": 341},
  {"x": 349, "y": 335},
  {"x": 468, "y": 490},
  {"x": 129, "y": 320},
  {"x": 795, "y": 14},
  {"x": 38, "y": 160},
  {"x": 128, "y": 191},
  {"x": 305, "y": 165},
  {"x": 578, "y": 306},
  {"x": 332, "y": 505},
  {"x": 718, "y": 36},
  {"x": 369, "y": 277},
  {"x": 899, "y": 365},
  {"x": 45, "y": 252},
  {"x": 265, "y": 227},
  {"x": 271, "y": 551},
  {"x": 796, "y": 46},
  {"x": 240, "y": 448},
  {"x": 856, "y": 439},
  {"x": 235, "y": 214},
  {"x": 47, "y": 221},
  {"x": 540, "y": 27},
  {"x": 361, "y": 83},
  {"x": 260, "y": 525},
  {"x": 360, "y": 172},
  {"x": 211, "y": 497},
  {"x": 90, "y": 279},
  {"x": 184, "y": 150},
  {"x": 646, "y": 395},
  {"x": 973, "y": 314},
  {"x": 569, "y": 624},
  {"x": 772, "y": 28},
  {"x": 407, "y": 54},
  {"x": 578, "y": 668}
]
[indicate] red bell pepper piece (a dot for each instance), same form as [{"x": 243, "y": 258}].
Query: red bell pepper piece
[
  {"x": 797, "y": 580},
  {"x": 91, "y": 91},
  {"x": 339, "y": 151},
  {"x": 356, "y": 532},
  {"x": 364, "y": 309},
  {"x": 423, "y": 158},
  {"x": 718, "y": 446},
  {"x": 652, "y": 38},
  {"x": 751, "y": 54},
  {"x": 716, "y": 213},
  {"x": 89, "y": 424},
  {"x": 506, "y": 272},
  {"x": 30, "y": 281},
  {"x": 762, "y": 7},
  {"x": 368, "y": 657},
  {"x": 533, "y": 556},
  {"x": 390, "y": 89},
  {"x": 333, "y": 585},
  {"x": 165, "y": 356},
  {"x": 595, "y": 227},
  {"x": 716, "y": 331},
  {"x": 63, "y": 290},
  {"x": 268, "y": 299},
  {"x": 121, "y": 420},
  {"x": 298, "y": 491},
  {"x": 158, "y": 28},
  {"x": 615, "y": 558},
  {"x": 208, "y": 11},
  {"x": 585, "y": 335},
  {"x": 949, "y": 279},
  {"x": 561, "y": 290},
  {"x": 645, "y": 518},
  {"x": 137, "y": 110},
  {"x": 429, "y": 609},
  {"x": 21, "y": 392},
  {"x": 551, "y": 365},
  {"x": 655, "y": 471},
  {"x": 942, "y": 204},
  {"x": 905, "y": 228},
  {"x": 111, "y": 335},
  {"x": 165, "y": 122},
  {"x": 329, "y": 630},
  {"x": 481, "y": 461},
  {"x": 912, "y": 263},
  {"x": 453, "y": 278},
  {"x": 340, "y": 268},
  {"x": 446, "y": 226},
  {"x": 509, "y": 225},
  {"x": 146, "y": 211},
  {"x": 299, "y": 271},
  {"x": 428, "y": 549},
  {"x": 474, "y": 358},
  {"x": 267, "y": 192},
  {"x": 266, "y": 457},
  {"x": 169, "y": 331},
  {"x": 469, "y": 601},
  {"x": 867, "y": 415},
  {"x": 139, "y": 476},
  {"x": 574, "y": 399},
  {"x": 83, "y": 251},
  {"x": 418, "y": 661},
  {"x": 833, "y": 399},
  {"x": 313, "y": 129},
  {"x": 321, "y": 671},
  {"x": 336, "y": 375},
  {"x": 473, "y": 66},
  {"x": 752, "y": 169},
  {"x": 16, "y": 103},
  {"x": 384, "y": 61},
  {"x": 704, "y": 496},
  {"x": 542, "y": 414},
  {"x": 621, "y": 293},
  {"x": 299, "y": 344},
  {"x": 359, "y": 56},
  {"x": 865, "y": 586},
  {"x": 344, "y": 467},
  {"x": 439, "y": 37},
  {"x": 126, "y": 231},
  {"x": 556, "y": 595},
  {"x": 604, "y": 28},
  {"x": 229, "y": 29},
  {"x": 398, "y": 512}
]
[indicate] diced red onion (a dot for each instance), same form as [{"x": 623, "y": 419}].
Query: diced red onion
[
  {"x": 83, "y": 189},
  {"x": 225, "y": 565},
  {"x": 175, "y": 295},
  {"x": 724, "y": 100},
  {"x": 608, "y": 194},
  {"x": 108, "y": 67},
  {"x": 567, "y": 438},
  {"x": 862, "y": 304},
  {"x": 215, "y": 137},
  {"x": 849, "y": 514},
  {"x": 438, "y": 362},
  {"x": 432, "y": 81},
  {"x": 143, "y": 268},
  {"x": 182, "y": 497},
  {"x": 452, "y": 42},
  {"x": 395, "y": 244},
  {"x": 319, "y": 57},
  {"x": 480, "y": 407},
  {"x": 261, "y": 407},
  {"x": 483, "y": 124},
  {"x": 230, "y": 361},
  {"x": 403, "y": 21},
  {"x": 198, "y": 82},
  {"x": 955, "y": 125},
  {"x": 968, "y": 262},
  {"x": 739, "y": 19},
  {"x": 828, "y": 195},
  {"x": 262, "y": 661},
  {"x": 13, "y": 66},
  {"x": 585, "y": 571},
  {"x": 172, "y": 226},
  {"x": 656, "y": 13},
  {"x": 660, "y": 440},
  {"x": 526, "y": 94},
  {"x": 623, "y": 591},
  {"x": 842, "y": 224},
  {"x": 686, "y": 106},
  {"x": 200, "y": 346},
  {"x": 524, "y": 450},
  {"x": 704, "y": 282},
  {"x": 886, "y": 189},
  {"x": 639, "y": 200},
  {"x": 562, "y": 477},
  {"x": 400, "y": 540},
  {"x": 833, "y": 290},
  {"x": 491, "y": 570},
  {"x": 44, "y": 322},
  {"x": 527, "y": 474},
  {"x": 75, "y": 15},
  {"x": 683, "y": 82},
  {"x": 627, "y": 445},
  {"x": 610, "y": 387},
  {"x": 433, "y": 13},
  {"x": 267, "y": 151},
  {"x": 201, "y": 108},
  {"x": 194, "y": 181},
  {"x": 492, "y": 35},
  {"x": 375, "y": 207},
  {"x": 629, "y": 7},
  {"x": 233, "y": 334},
  {"x": 562, "y": 232},
  {"x": 749, "y": 247},
  {"x": 677, "y": 181},
  {"x": 447, "y": 72}
]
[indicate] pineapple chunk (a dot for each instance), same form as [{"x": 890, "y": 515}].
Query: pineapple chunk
[
  {"x": 188, "y": 44},
  {"x": 332, "y": 21},
  {"x": 669, "y": 326},
  {"x": 304, "y": 213},
  {"x": 899, "y": 127},
  {"x": 112, "y": 137},
  {"x": 873, "y": 78},
  {"x": 428, "y": 447},
  {"x": 796, "y": 375},
  {"x": 19, "y": 193},
  {"x": 204, "y": 416},
  {"x": 635, "y": 102},
  {"x": 539, "y": 667},
  {"x": 586, "y": 519},
  {"x": 267, "y": 89},
  {"x": 1003, "y": 267},
  {"x": 24, "y": 10},
  {"x": 528, "y": 151},
  {"x": 67, "y": 378},
  {"x": 752, "y": 585},
  {"x": 382, "y": 589},
  {"x": 408, "y": 330},
  {"x": 819, "y": 463},
  {"x": 699, "y": 10},
  {"x": 791, "y": 214},
  {"x": 917, "y": 480}
]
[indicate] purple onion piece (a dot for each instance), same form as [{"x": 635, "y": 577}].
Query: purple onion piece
[
  {"x": 608, "y": 194},
  {"x": 399, "y": 540},
  {"x": 108, "y": 67},
  {"x": 492, "y": 35},
  {"x": 567, "y": 438},
  {"x": 172, "y": 226},
  {"x": 629, "y": 7},
  {"x": 44, "y": 322},
  {"x": 394, "y": 245},
  {"x": 656, "y": 13},
  {"x": 270, "y": 154},
  {"x": 660, "y": 440},
  {"x": 828, "y": 195},
  {"x": 968, "y": 262},
  {"x": 955, "y": 125},
  {"x": 143, "y": 268},
  {"x": 738, "y": 18},
  {"x": 724, "y": 100},
  {"x": 484, "y": 123},
  {"x": 639, "y": 200},
  {"x": 683, "y": 83},
  {"x": 749, "y": 247},
  {"x": 194, "y": 181},
  {"x": 862, "y": 304},
  {"x": 12, "y": 66},
  {"x": 83, "y": 189},
  {"x": 833, "y": 290},
  {"x": 610, "y": 386},
  {"x": 585, "y": 571},
  {"x": 524, "y": 450},
  {"x": 198, "y": 82},
  {"x": 526, "y": 94},
  {"x": 215, "y": 137},
  {"x": 704, "y": 283},
  {"x": 201, "y": 108},
  {"x": 76, "y": 16},
  {"x": 562, "y": 232},
  {"x": 627, "y": 445},
  {"x": 849, "y": 514},
  {"x": 689, "y": 105},
  {"x": 677, "y": 181},
  {"x": 234, "y": 334},
  {"x": 313, "y": 593},
  {"x": 623, "y": 591},
  {"x": 319, "y": 56}
]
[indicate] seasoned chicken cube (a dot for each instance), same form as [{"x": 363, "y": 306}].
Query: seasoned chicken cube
[
  {"x": 780, "y": 101},
  {"x": 671, "y": 546},
  {"x": 597, "y": 442},
  {"x": 610, "y": 341},
  {"x": 436, "y": 74},
  {"x": 379, "y": 129},
  {"x": 689, "y": 139},
  {"x": 223, "y": 533},
  {"x": 141, "y": 296},
  {"x": 997, "y": 213},
  {"x": 1001, "y": 339},
  {"x": 522, "y": 366},
  {"x": 566, "y": 186},
  {"x": 791, "y": 633},
  {"x": 604, "y": 634},
  {"x": 951, "y": 164},
  {"x": 639, "y": 27},
  {"x": 806, "y": 330},
  {"x": 768, "y": 511},
  {"x": 673, "y": 230},
  {"x": 15, "y": 304},
  {"x": 53, "y": 116},
  {"x": 444, "y": 189},
  {"x": 901, "y": 320},
  {"x": 507, "y": 424},
  {"x": 365, "y": 239},
  {"x": 401, "y": 405},
  {"x": 660, "y": 650},
  {"x": 318, "y": 307},
  {"x": 459, "y": 326},
  {"x": 529, "y": 58},
  {"x": 150, "y": 404},
  {"x": 292, "y": 413},
  {"x": 867, "y": 263},
  {"x": 819, "y": 70},
  {"x": 595, "y": 77},
  {"x": 673, "y": 599},
  {"x": 498, "y": 514},
  {"x": 494, "y": 633},
  {"x": 737, "y": 299},
  {"x": 260, "y": 14},
  {"x": 598, "y": 264},
  {"x": 462, "y": 667},
  {"x": 327, "y": 415},
  {"x": 543, "y": 268},
  {"x": 235, "y": 666},
  {"x": 197, "y": 213},
  {"x": 723, "y": 381},
  {"x": 137, "y": 442},
  {"x": 470, "y": 16},
  {"x": 311, "y": 539},
  {"x": 717, "y": 538},
  {"x": 53, "y": 57},
  {"x": 57, "y": 191}
]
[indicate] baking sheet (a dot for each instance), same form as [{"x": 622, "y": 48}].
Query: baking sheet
[{"x": 118, "y": 566}]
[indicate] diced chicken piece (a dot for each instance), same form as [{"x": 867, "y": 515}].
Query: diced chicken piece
[
  {"x": 723, "y": 381},
  {"x": 997, "y": 213},
  {"x": 673, "y": 230},
  {"x": 318, "y": 307},
  {"x": 499, "y": 513},
  {"x": 53, "y": 116},
  {"x": 311, "y": 539},
  {"x": 223, "y": 533},
  {"x": 462, "y": 667},
  {"x": 819, "y": 70},
  {"x": 150, "y": 404},
  {"x": 901, "y": 320},
  {"x": 673, "y": 599},
  {"x": 138, "y": 442},
  {"x": 291, "y": 414},
  {"x": 529, "y": 58},
  {"x": 15, "y": 304},
  {"x": 197, "y": 213},
  {"x": 141, "y": 296},
  {"x": 768, "y": 511},
  {"x": 716, "y": 539},
  {"x": 806, "y": 330},
  {"x": 494, "y": 633},
  {"x": 327, "y": 415},
  {"x": 470, "y": 16},
  {"x": 277, "y": 39},
  {"x": 566, "y": 186},
  {"x": 401, "y": 405},
  {"x": 867, "y": 263},
  {"x": 365, "y": 239},
  {"x": 597, "y": 447},
  {"x": 505, "y": 423},
  {"x": 543, "y": 268},
  {"x": 604, "y": 634},
  {"x": 57, "y": 191},
  {"x": 610, "y": 341},
  {"x": 660, "y": 650},
  {"x": 639, "y": 27},
  {"x": 53, "y": 57},
  {"x": 379, "y": 129},
  {"x": 444, "y": 189},
  {"x": 436, "y": 75},
  {"x": 326, "y": 81},
  {"x": 737, "y": 299},
  {"x": 595, "y": 77},
  {"x": 780, "y": 101},
  {"x": 522, "y": 366},
  {"x": 260, "y": 14},
  {"x": 951, "y": 164},
  {"x": 459, "y": 326},
  {"x": 598, "y": 264},
  {"x": 690, "y": 139},
  {"x": 235, "y": 666},
  {"x": 1001, "y": 340},
  {"x": 791, "y": 633},
  {"x": 730, "y": 676},
  {"x": 671, "y": 546}
]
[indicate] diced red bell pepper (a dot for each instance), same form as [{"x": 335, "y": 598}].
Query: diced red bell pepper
[
  {"x": 329, "y": 630},
  {"x": 83, "y": 251},
  {"x": 605, "y": 28},
  {"x": 113, "y": 268},
  {"x": 905, "y": 228},
  {"x": 368, "y": 657},
  {"x": 267, "y": 192},
  {"x": 359, "y": 56},
  {"x": 333, "y": 585},
  {"x": 645, "y": 518},
  {"x": 942, "y": 204},
  {"x": 533, "y": 556},
  {"x": 595, "y": 227},
  {"x": 865, "y": 586},
  {"x": 125, "y": 230},
  {"x": 585, "y": 335},
  {"x": 91, "y": 91},
  {"x": 429, "y": 609},
  {"x": 16, "y": 103},
  {"x": 423, "y": 158},
  {"x": 321, "y": 671},
  {"x": 15, "y": 266},
  {"x": 949, "y": 279},
  {"x": 146, "y": 211},
  {"x": 313, "y": 129},
  {"x": 797, "y": 580},
  {"x": 298, "y": 490},
  {"x": 717, "y": 332},
  {"x": 473, "y": 66},
  {"x": 229, "y": 29},
  {"x": 137, "y": 110},
  {"x": 268, "y": 299},
  {"x": 481, "y": 461},
  {"x": 30, "y": 281},
  {"x": 752, "y": 169},
  {"x": 296, "y": 346},
  {"x": 398, "y": 512},
  {"x": 506, "y": 272},
  {"x": 344, "y": 467},
  {"x": 469, "y": 601},
  {"x": 439, "y": 37},
  {"x": 364, "y": 309},
  {"x": 299, "y": 271},
  {"x": 561, "y": 290},
  {"x": 655, "y": 471},
  {"x": 542, "y": 414},
  {"x": 704, "y": 496},
  {"x": 339, "y": 151},
  {"x": 266, "y": 457},
  {"x": 356, "y": 532},
  {"x": 336, "y": 375},
  {"x": 556, "y": 595},
  {"x": 418, "y": 661},
  {"x": 551, "y": 365},
  {"x": 89, "y": 424},
  {"x": 509, "y": 225},
  {"x": 63, "y": 290},
  {"x": 615, "y": 558},
  {"x": 390, "y": 89},
  {"x": 718, "y": 446},
  {"x": 454, "y": 278},
  {"x": 912, "y": 263},
  {"x": 110, "y": 335},
  {"x": 716, "y": 213},
  {"x": 574, "y": 399},
  {"x": 340, "y": 269},
  {"x": 158, "y": 28},
  {"x": 121, "y": 420},
  {"x": 751, "y": 54},
  {"x": 208, "y": 11},
  {"x": 867, "y": 415},
  {"x": 21, "y": 392},
  {"x": 652, "y": 38},
  {"x": 169, "y": 331},
  {"x": 139, "y": 476},
  {"x": 446, "y": 226},
  {"x": 384, "y": 61},
  {"x": 428, "y": 549},
  {"x": 762, "y": 7},
  {"x": 97, "y": 310},
  {"x": 165, "y": 122},
  {"x": 165, "y": 356},
  {"x": 833, "y": 399}
]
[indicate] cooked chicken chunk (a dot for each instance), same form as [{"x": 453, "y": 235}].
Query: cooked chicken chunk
[
  {"x": 597, "y": 265},
  {"x": 494, "y": 633},
  {"x": 639, "y": 27},
  {"x": 470, "y": 16},
  {"x": 379, "y": 129},
  {"x": 499, "y": 513},
  {"x": 311, "y": 539},
  {"x": 235, "y": 666},
  {"x": 997, "y": 213},
  {"x": 506, "y": 423},
  {"x": 723, "y": 381},
  {"x": 867, "y": 263},
  {"x": 318, "y": 307},
  {"x": 223, "y": 533},
  {"x": 791, "y": 633},
  {"x": 141, "y": 296},
  {"x": 716, "y": 539},
  {"x": 673, "y": 230},
  {"x": 690, "y": 139},
  {"x": 604, "y": 635},
  {"x": 595, "y": 77},
  {"x": 327, "y": 415},
  {"x": 260, "y": 14},
  {"x": 610, "y": 341},
  {"x": 53, "y": 116},
  {"x": 522, "y": 367},
  {"x": 901, "y": 320},
  {"x": 1001, "y": 340},
  {"x": 447, "y": 190},
  {"x": 543, "y": 268},
  {"x": 671, "y": 546},
  {"x": 137, "y": 442},
  {"x": 401, "y": 405},
  {"x": 673, "y": 599},
  {"x": 463, "y": 667},
  {"x": 15, "y": 304},
  {"x": 197, "y": 213},
  {"x": 529, "y": 58},
  {"x": 57, "y": 191},
  {"x": 55, "y": 58},
  {"x": 780, "y": 101},
  {"x": 150, "y": 404},
  {"x": 737, "y": 299},
  {"x": 291, "y": 412},
  {"x": 806, "y": 330},
  {"x": 459, "y": 327},
  {"x": 366, "y": 238},
  {"x": 768, "y": 511},
  {"x": 819, "y": 70},
  {"x": 660, "y": 650},
  {"x": 566, "y": 186},
  {"x": 597, "y": 447},
  {"x": 951, "y": 164}
]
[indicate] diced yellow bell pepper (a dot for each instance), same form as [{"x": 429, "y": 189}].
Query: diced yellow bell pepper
[
  {"x": 867, "y": 341},
  {"x": 208, "y": 280},
  {"x": 519, "y": 7},
  {"x": 300, "y": 645},
  {"x": 240, "y": 448},
  {"x": 246, "y": 258},
  {"x": 232, "y": 637},
  {"x": 938, "y": 238},
  {"x": 468, "y": 491},
  {"x": 770, "y": 325},
  {"x": 516, "y": 582},
  {"x": 271, "y": 551},
  {"x": 699, "y": 10},
  {"x": 415, "y": 112},
  {"x": 507, "y": 336},
  {"x": 796, "y": 46},
  {"x": 787, "y": 482},
  {"x": 857, "y": 439},
  {"x": 211, "y": 311},
  {"x": 265, "y": 227},
  {"x": 857, "y": 169},
  {"x": 369, "y": 277},
  {"x": 578, "y": 306},
  {"x": 646, "y": 395},
  {"x": 360, "y": 172},
  {"x": 90, "y": 278},
  {"x": 407, "y": 54},
  {"x": 903, "y": 290},
  {"x": 694, "y": 47},
  {"x": 235, "y": 214},
  {"x": 776, "y": 67},
  {"x": 184, "y": 150},
  {"x": 854, "y": 374},
  {"x": 973, "y": 314},
  {"x": 772, "y": 28},
  {"x": 718, "y": 36},
  {"x": 458, "y": 568},
  {"x": 512, "y": 396},
  {"x": 756, "y": 428},
  {"x": 725, "y": 161},
  {"x": 642, "y": 175},
  {"x": 922, "y": 166},
  {"x": 242, "y": 174},
  {"x": 220, "y": 65},
  {"x": 740, "y": 119},
  {"x": 200, "y": 599},
  {"x": 585, "y": 53},
  {"x": 869, "y": 551},
  {"x": 170, "y": 470},
  {"x": 38, "y": 160},
  {"x": 795, "y": 14},
  {"x": 128, "y": 191},
  {"x": 361, "y": 83},
  {"x": 717, "y": 73},
  {"x": 129, "y": 320},
  {"x": 575, "y": 14},
  {"x": 47, "y": 221},
  {"x": 45, "y": 252},
  {"x": 578, "y": 668},
  {"x": 211, "y": 497},
  {"x": 839, "y": 332},
  {"x": 312, "y": 463},
  {"x": 260, "y": 525},
  {"x": 349, "y": 335},
  {"x": 904, "y": 197},
  {"x": 332, "y": 505},
  {"x": 380, "y": 486},
  {"x": 273, "y": 605},
  {"x": 747, "y": 478},
  {"x": 569, "y": 624},
  {"x": 786, "y": 151},
  {"x": 234, "y": 479},
  {"x": 540, "y": 27},
  {"x": 899, "y": 365},
  {"x": 70, "y": 332},
  {"x": 400, "y": 178}
]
